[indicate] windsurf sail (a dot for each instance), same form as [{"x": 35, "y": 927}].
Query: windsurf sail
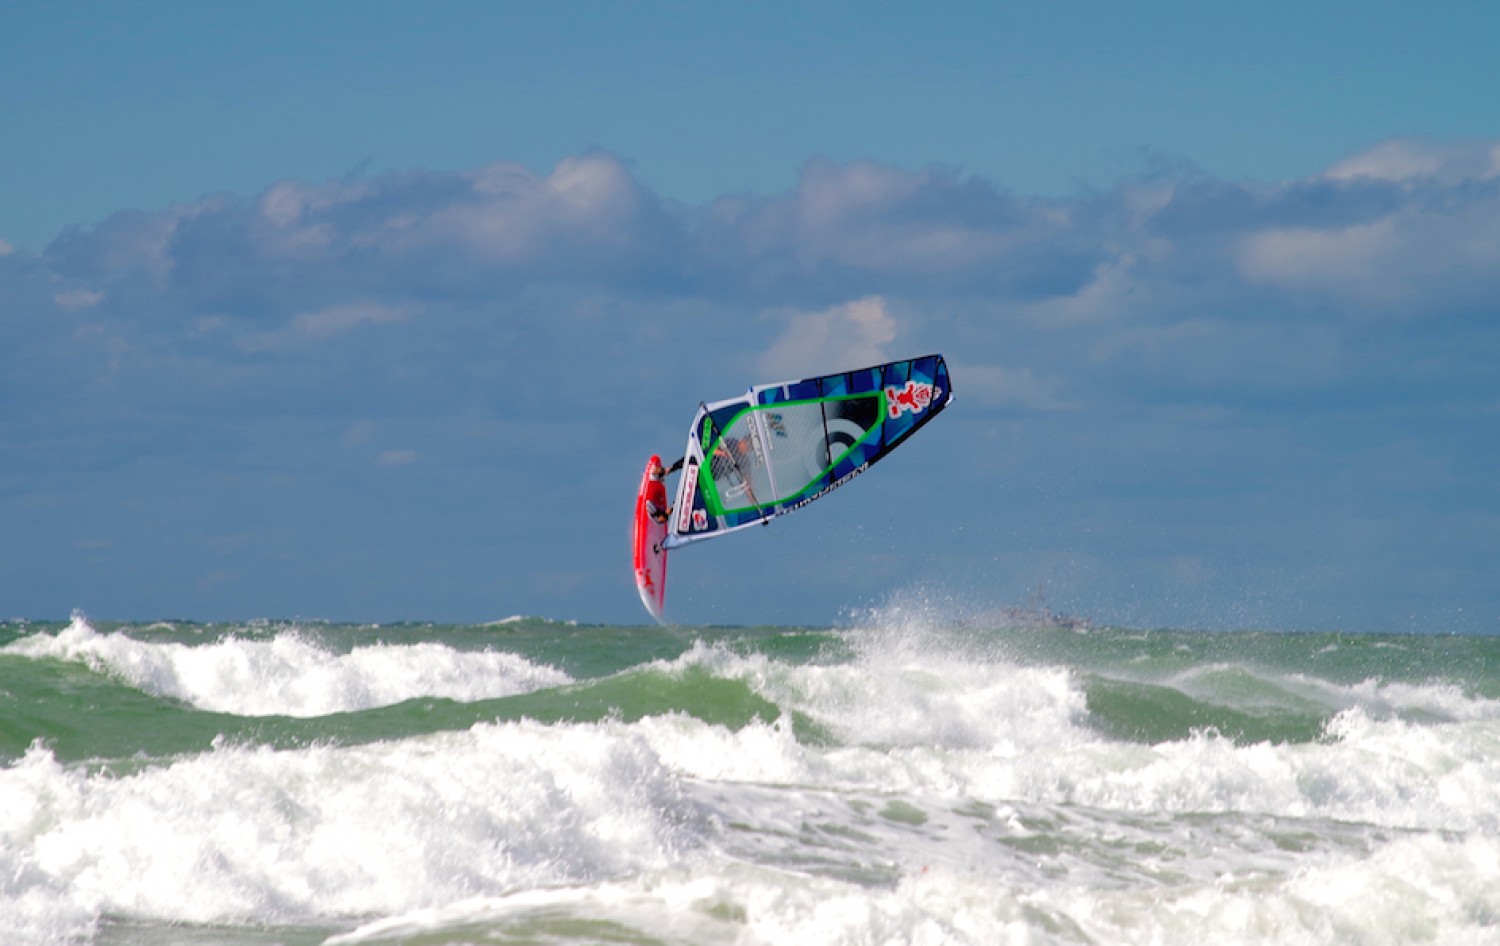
[{"x": 780, "y": 446}]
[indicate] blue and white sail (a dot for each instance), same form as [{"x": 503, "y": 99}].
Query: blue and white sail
[{"x": 780, "y": 446}]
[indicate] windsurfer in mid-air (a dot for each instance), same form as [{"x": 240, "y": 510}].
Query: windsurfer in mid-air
[
  {"x": 730, "y": 450},
  {"x": 656, "y": 491},
  {"x": 773, "y": 450}
]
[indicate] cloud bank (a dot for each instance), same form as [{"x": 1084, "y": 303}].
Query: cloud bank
[{"x": 1138, "y": 368}]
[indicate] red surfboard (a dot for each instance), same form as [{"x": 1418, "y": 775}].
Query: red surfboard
[{"x": 650, "y": 557}]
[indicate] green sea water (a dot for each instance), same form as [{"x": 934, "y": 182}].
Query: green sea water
[
  {"x": 941, "y": 781},
  {"x": 1147, "y": 686}
]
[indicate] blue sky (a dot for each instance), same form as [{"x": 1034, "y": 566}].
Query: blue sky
[{"x": 372, "y": 311}]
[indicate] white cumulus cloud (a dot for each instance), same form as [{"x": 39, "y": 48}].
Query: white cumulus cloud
[
  {"x": 852, "y": 335},
  {"x": 310, "y": 328},
  {"x": 1408, "y": 159},
  {"x": 73, "y": 300}
]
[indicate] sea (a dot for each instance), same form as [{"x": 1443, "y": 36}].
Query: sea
[{"x": 907, "y": 777}]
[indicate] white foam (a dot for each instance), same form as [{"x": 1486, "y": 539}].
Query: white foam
[
  {"x": 290, "y": 674},
  {"x": 893, "y": 696},
  {"x": 1433, "y": 701},
  {"x": 729, "y": 902},
  {"x": 1251, "y": 689},
  {"x": 907, "y": 823},
  {"x": 1421, "y": 889},
  {"x": 932, "y": 720},
  {"x": 474, "y": 825},
  {"x": 524, "y": 618},
  {"x": 1364, "y": 898},
  {"x": 256, "y": 836}
]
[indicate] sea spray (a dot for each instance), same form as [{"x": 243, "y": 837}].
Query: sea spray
[{"x": 291, "y": 674}]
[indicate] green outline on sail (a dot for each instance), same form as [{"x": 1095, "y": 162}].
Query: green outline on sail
[{"x": 709, "y": 490}]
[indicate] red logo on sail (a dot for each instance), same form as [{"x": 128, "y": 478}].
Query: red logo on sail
[{"x": 914, "y": 397}]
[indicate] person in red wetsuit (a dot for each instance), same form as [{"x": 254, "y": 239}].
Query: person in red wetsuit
[{"x": 656, "y": 491}]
